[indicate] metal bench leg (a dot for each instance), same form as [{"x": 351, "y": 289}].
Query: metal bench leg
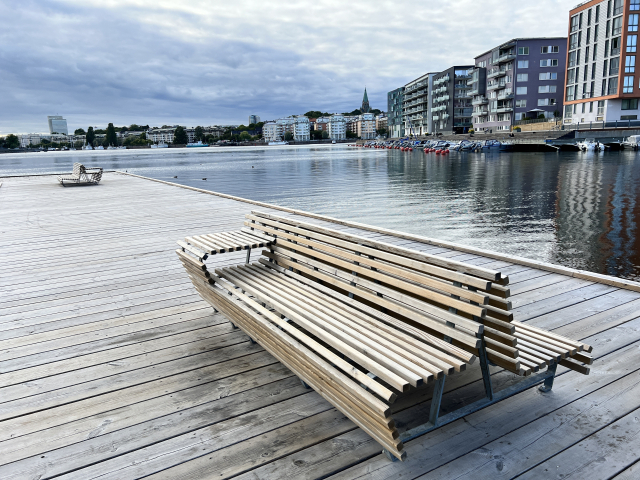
[
  {"x": 304, "y": 384},
  {"x": 548, "y": 382},
  {"x": 388, "y": 454},
  {"x": 233, "y": 325},
  {"x": 436, "y": 400},
  {"x": 486, "y": 373},
  {"x": 248, "y": 256}
]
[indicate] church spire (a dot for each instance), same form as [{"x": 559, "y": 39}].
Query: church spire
[{"x": 365, "y": 102}]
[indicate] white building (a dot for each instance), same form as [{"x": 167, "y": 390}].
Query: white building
[
  {"x": 302, "y": 129},
  {"x": 272, "y": 132},
  {"x": 367, "y": 126},
  {"x": 161, "y": 135},
  {"x": 254, "y": 119},
  {"x": 337, "y": 127},
  {"x": 57, "y": 124}
]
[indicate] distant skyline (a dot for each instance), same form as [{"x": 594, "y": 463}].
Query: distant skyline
[{"x": 212, "y": 62}]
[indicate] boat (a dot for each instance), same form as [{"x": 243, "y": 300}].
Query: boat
[
  {"x": 87, "y": 147},
  {"x": 490, "y": 144},
  {"x": 631, "y": 142},
  {"x": 159, "y": 145},
  {"x": 99, "y": 147},
  {"x": 282, "y": 142},
  {"x": 590, "y": 145},
  {"x": 111, "y": 147},
  {"x": 506, "y": 146},
  {"x": 197, "y": 144}
]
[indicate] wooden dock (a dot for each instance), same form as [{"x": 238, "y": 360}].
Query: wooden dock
[{"x": 112, "y": 366}]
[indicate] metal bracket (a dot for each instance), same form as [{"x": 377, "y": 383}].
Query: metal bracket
[
  {"x": 304, "y": 384},
  {"x": 548, "y": 382}
]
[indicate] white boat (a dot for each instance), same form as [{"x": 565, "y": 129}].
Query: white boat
[
  {"x": 279, "y": 143},
  {"x": 197, "y": 144},
  {"x": 632, "y": 142},
  {"x": 111, "y": 147},
  {"x": 99, "y": 147},
  {"x": 159, "y": 145},
  {"x": 87, "y": 147},
  {"x": 590, "y": 145}
]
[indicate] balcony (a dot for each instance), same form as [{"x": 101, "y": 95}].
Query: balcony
[
  {"x": 481, "y": 113},
  {"x": 495, "y": 86},
  {"x": 504, "y": 110},
  {"x": 497, "y": 73},
  {"x": 480, "y": 101},
  {"x": 436, "y": 117},
  {"x": 473, "y": 92},
  {"x": 506, "y": 57},
  {"x": 506, "y": 95}
]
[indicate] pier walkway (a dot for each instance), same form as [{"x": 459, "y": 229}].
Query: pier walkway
[{"x": 112, "y": 367}]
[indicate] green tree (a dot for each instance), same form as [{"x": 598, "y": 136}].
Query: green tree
[
  {"x": 375, "y": 111},
  {"x": 316, "y": 114},
  {"x": 91, "y": 136},
  {"x": 11, "y": 141},
  {"x": 245, "y": 136},
  {"x": 199, "y": 133},
  {"x": 79, "y": 131},
  {"x": 288, "y": 136},
  {"x": 78, "y": 145},
  {"x": 382, "y": 131},
  {"x": 180, "y": 136},
  {"x": 350, "y": 134},
  {"x": 325, "y": 134},
  {"x": 112, "y": 137}
]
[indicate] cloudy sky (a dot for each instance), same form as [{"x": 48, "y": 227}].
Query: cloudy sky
[{"x": 198, "y": 62}]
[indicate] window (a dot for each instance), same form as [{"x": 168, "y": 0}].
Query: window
[
  {"x": 593, "y": 71},
  {"x": 574, "y": 23},
  {"x": 572, "y": 59},
  {"x": 571, "y": 93},
  {"x": 595, "y": 51},
  {"x": 598, "y": 13},
  {"x": 550, "y": 49},
  {"x": 579, "y": 38},
  {"x": 521, "y": 103},
  {"x": 614, "y": 66},
  {"x": 588, "y": 36},
  {"x": 548, "y": 76},
  {"x": 523, "y": 50},
  {"x": 635, "y": 5},
  {"x": 627, "y": 87},
  {"x": 606, "y": 32},
  {"x": 577, "y": 74},
  {"x": 615, "y": 46},
  {"x": 585, "y": 92},
  {"x": 523, "y": 63},
  {"x": 617, "y": 26},
  {"x": 583, "y": 105},
  {"x": 617, "y": 7},
  {"x": 573, "y": 41},
  {"x": 633, "y": 22},
  {"x": 604, "y": 87},
  {"x": 544, "y": 102},
  {"x": 606, "y": 48},
  {"x": 567, "y": 111},
  {"x": 586, "y": 73},
  {"x": 632, "y": 40},
  {"x": 586, "y": 55},
  {"x": 592, "y": 90},
  {"x": 546, "y": 89},
  {"x": 590, "y": 107},
  {"x": 589, "y": 17},
  {"x": 630, "y": 64},
  {"x": 571, "y": 76},
  {"x": 519, "y": 116},
  {"x": 521, "y": 90},
  {"x": 600, "y": 107},
  {"x": 613, "y": 86},
  {"x": 550, "y": 62},
  {"x": 522, "y": 77},
  {"x": 630, "y": 104}
]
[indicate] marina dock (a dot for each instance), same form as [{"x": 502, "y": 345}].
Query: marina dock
[{"x": 112, "y": 366}]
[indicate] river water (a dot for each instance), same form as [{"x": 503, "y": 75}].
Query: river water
[{"x": 575, "y": 209}]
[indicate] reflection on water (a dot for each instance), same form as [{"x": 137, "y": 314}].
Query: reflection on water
[{"x": 575, "y": 209}]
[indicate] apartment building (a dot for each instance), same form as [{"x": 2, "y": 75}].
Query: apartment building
[
  {"x": 366, "y": 126},
  {"x": 337, "y": 127},
  {"x": 416, "y": 105},
  {"x": 253, "y": 119},
  {"x": 299, "y": 127},
  {"x": 57, "y": 124},
  {"x": 451, "y": 100},
  {"x": 602, "y": 83},
  {"x": 272, "y": 132},
  {"x": 395, "y": 122},
  {"x": 518, "y": 80}
]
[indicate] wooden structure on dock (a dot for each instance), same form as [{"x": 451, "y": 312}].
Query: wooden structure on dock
[{"x": 112, "y": 366}]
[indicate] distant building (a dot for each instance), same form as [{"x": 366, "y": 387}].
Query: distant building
[
  {"x": 602, "y": 83},
  {"x": 57, "y": 124},
  {"x": 365, "y": 103},
  {"x": 298, "y": 126},
  {"x": 272, "y": 132},
  {"x": 254, "y": 119},
  {"x": 301, "y": 129},
  {"x": 382, "y": 121},
  {"x": 395, "y": 123},
  {"x": 337, "y": 127},
  {"x": 452, "y": 109},
  {"x": 366, "y": 126},
  {"x": 417, "y": 101}
]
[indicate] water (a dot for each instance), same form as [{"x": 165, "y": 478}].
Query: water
[{"x": 574, "y": 209}]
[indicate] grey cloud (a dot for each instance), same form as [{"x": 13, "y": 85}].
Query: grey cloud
[{"x": 216, "y": 62}]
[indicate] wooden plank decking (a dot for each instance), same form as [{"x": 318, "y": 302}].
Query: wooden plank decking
[{"x": 111, "y": 365}]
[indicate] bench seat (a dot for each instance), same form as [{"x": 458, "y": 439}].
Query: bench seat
[
  {"x": 81, "y": 175},
  {"x": 364, "y": 322}
]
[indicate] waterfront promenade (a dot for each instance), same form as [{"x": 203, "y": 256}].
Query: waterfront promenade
[{"x": 111, "y": 365}]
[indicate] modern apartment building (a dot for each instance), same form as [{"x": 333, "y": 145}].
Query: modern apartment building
[
  {"x": 395, "y": 122},
  {"x": 254, "y": 119},
  {"x": 451, "y": 103},
  {"x": 57, "y": 124},
  {"x": 518, "y": 80},
  {"x": 301, "y": 129},
  {"x": 337, "y": 127},
  {"x": 366, "y": 126},
  {"x": 272, "y": 132},
  {"x": 416, "y": 105},
  {"x": 275, "y": 131},
  {"x": 602, "y": 83}
]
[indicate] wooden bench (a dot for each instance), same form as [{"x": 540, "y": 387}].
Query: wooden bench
[
  {"x": 364, "y": 322},
  {"x": 81, "y": 175}
]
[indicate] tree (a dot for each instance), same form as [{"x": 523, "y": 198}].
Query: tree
[
  {"x": 79, "y": 131},
  {"x": 375, "y": 111},
  {"x": 288, "y": 136},
  {"x": 199, "y": 133},
  {"x": 350, "y": 134},
  {"x": 180, "y": 136},
  {"x": 382, "y": 131},
  {"x": 78, "y": 145},
  {"x": 325, "y": 134},
  {"x": 316, "y": 114},
  {"x": 124, "y": 129},
  {"x": 140, "y": 140},
  {"x": 91, "y": 136},
  {"x": 11, "y": 141},
  {"x": 316, "y": 134},
  {"x": 112, "y": 137},
  {"x": 244, "y": 136},
  {"x": 357, "y": 111}
]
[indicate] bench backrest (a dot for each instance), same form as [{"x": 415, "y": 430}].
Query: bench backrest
[
  {"x": 455, "y": 301},
  {"x": 78, "y": 169}
]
